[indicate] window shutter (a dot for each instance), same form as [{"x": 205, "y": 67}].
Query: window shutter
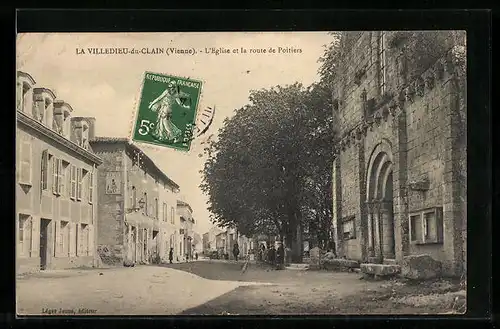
[
  {"x": 54, "y": 175},
  {"x": 57, "y": 228},
  {"x": 91, "y": 240},
  {"x": 35, "y": 247},
  {"x": 81, "y": 241},
  {"x": 79, "y": 184},
  {"x": 25, "y": 162},
  {"x": 73, "y": 182},
  {"x": 91, "y": 187},
  {"x": 77, "y": 239},
  {"x": 71, "y": 242},
  {"x": 29, "y": 229},
  {"x": 44, "y": 173},
  {"x": 60, "y": 181}
]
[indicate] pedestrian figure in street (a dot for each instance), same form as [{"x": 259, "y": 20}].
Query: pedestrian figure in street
[
  {"x": 171, "y": 255},
  {"x": 280, "y": 257},
  {"x": 271, "y": 255},
  {"x": 195, "y": 256},
  {"x": 262, "y": 252},
  {"x": 236, "y": 251}
]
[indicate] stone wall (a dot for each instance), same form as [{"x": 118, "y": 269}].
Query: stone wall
[
  {"x": 349, "y": 200},
  {"x": 417, "y": 118},
  {"x": 110, "y": 206}
]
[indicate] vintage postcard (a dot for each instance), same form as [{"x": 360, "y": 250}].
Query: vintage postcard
[{"x": 241, "y": 173}]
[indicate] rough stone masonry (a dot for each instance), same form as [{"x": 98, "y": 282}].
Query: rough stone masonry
[{"x": 397, "y": 189}]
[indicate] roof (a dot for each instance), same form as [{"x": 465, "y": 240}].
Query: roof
[
  {"x": 131, "y": 147},
  {"x": 23, "y": 118},
  {"x": 44, "y": 90},
  {"x": 184, "y": 204},
  {"x": 27, "y": 76},
  {"x": 60, "y": 103}
]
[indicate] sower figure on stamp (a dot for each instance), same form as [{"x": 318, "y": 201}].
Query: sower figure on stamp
[{"x": 165, "y": 130}]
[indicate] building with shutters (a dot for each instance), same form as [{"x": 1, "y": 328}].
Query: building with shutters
[
  {"x": 56, "y": 192},
  {"x": 170, "y": 221},
  {"x": 186, "y": 232},
  {"x": 226, "y": 238},
  {"x": 136, "y": 206},
  {"x": 210, "y": 240}
]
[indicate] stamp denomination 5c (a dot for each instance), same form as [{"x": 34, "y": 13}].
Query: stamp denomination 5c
[{"x": 167, "y": 111}]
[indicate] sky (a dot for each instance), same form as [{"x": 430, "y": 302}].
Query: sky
[{"x": 107, "y": 87}]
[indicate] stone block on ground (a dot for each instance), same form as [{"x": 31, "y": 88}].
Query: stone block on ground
[
  {"x": 339, "y": 264},
  {"x": 420, "y": 267},
  {"x": 380, "y": 270},
  {"x": 329, "y": 255},
  {"x": 314, "y": 256},
  {"x": 128, "y": 263}
]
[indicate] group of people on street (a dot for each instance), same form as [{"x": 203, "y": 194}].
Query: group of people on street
[
  {"x": 273, "y": 256},
  {"x": 236, "y": 253},
  {"x": 171, "y": 256}
]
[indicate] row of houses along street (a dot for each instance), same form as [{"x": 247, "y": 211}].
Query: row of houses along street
[{"x": 85, "y": 200}]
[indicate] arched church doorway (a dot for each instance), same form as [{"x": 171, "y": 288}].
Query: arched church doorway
[{"x": 381, "y": 240}]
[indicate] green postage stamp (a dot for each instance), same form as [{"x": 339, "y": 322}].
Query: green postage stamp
[{"x": 167, "y": 111}]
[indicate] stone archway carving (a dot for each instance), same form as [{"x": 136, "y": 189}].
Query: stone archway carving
[{"x": 379, "y": 186}]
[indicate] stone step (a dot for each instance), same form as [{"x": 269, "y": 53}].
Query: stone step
[
  {"x": 388, "y": 261},
  {"x": 383, "y": 270}
]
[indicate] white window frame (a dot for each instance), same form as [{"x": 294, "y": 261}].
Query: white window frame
[
  {"x": 172, "y": 215},
  {"x": 438, "y": 222},
  {"x": 91, "y": 187},
  {"x": 44, "y": 170},
  {"x": 345, "y": 221},
  {"x": 55, "y": 176},
  {"x": 165, "y": 212}
]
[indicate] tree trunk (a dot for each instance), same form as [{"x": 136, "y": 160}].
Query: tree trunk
[
  {"x": 296, "y": 237},
  {"x": 298, "y": 252}
]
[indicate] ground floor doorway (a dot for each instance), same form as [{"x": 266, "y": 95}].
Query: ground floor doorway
[{"x": 44, "y": 243}]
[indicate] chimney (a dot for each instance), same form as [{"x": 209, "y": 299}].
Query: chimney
[
  {"x": 91, "y": 122},
  {"x": 45, "y": 102},
  {"x": 91, "y": 125},
  {"x": 77, "y": 129},
  {"x": 39, "y": 108}
]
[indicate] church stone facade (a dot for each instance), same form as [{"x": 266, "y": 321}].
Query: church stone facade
[{"x": 399, "y": 168}]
